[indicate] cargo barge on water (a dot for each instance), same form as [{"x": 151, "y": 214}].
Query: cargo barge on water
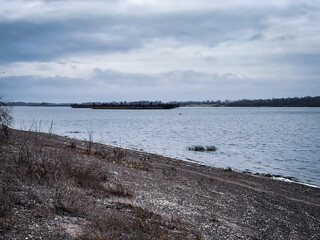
[{"x": 127, "y": 106}]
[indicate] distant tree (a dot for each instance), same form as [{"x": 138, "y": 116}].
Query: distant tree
[{"x": 5, "y": 118}]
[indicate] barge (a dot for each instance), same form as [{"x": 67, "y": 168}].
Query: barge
[{"x": 126, "y": 106}]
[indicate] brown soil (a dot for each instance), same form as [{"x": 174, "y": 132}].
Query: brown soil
[{"x": 54, "y": 187}]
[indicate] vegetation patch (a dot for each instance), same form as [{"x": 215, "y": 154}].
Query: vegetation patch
[
  {"x": 199, "y": 148},
  {"x": 211, "y": 148}
]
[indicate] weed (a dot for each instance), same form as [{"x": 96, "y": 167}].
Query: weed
[{"x": 51, "y": 128}]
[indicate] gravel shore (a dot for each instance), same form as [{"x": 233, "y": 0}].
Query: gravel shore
[{"x": 62, "y": 188}]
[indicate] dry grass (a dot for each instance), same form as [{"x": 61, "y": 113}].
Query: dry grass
[
  {"x": 119, "y": 156},
  {"x": 41, "y": 179},
  {"x": 8, "y": 201},
  {"x": 128, "y": 222},
  {"x": 67, "y": 180}
]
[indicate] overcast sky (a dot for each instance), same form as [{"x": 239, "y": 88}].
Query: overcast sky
[{"x": 124, "y": 50}]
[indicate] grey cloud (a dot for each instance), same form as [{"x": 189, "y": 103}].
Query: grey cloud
[
  {"x": 30, "y": 41},
  {"x": 109, "y": 77},
  {"x": 169, "y": 79},
  {"x": 56, "y": 38},
  {"x": 285, "y": 38},
  {"x": 302, "y": 64},
  {"x": 257, "y": 36},
  {"x": 33, "y": 41},
  {"x": 313, "y": 58}
]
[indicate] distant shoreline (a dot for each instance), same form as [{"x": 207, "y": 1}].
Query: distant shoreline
[
  {"x": 274, "y": 102},
  {"x": 193, "y": 105}
]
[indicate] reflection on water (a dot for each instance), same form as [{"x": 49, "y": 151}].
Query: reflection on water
[{"x": 284, "y": 141}]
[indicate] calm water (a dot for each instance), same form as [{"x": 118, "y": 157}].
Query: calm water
[{"x": 283, "y": 141}]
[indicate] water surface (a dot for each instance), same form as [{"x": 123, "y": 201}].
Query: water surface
[{"x": 281, "y": 141}]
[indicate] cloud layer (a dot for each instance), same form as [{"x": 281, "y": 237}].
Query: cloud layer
[{"x": 173, "y": 50}]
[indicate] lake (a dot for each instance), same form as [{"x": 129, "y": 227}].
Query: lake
[{"x": 279, "y": 141}]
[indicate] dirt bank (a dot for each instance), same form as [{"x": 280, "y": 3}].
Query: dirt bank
[{"x": 56, "y": 187}]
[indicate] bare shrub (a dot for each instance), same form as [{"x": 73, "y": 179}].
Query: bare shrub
[
  {"x": 5, "y": 119},
  {"x": 68, "y": 202},
  {"x": 23, "y": 148},
  {"x": 43, "y": 165},
  {"x": 90, "y": 176}
]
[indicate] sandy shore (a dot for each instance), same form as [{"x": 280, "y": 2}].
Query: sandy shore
[{"x": 158, "y": 197}]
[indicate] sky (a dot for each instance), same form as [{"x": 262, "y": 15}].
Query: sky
[{"x": 168, "y": 50}]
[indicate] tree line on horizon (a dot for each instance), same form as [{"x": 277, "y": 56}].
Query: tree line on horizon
[{"x": 274, "y": 102}]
